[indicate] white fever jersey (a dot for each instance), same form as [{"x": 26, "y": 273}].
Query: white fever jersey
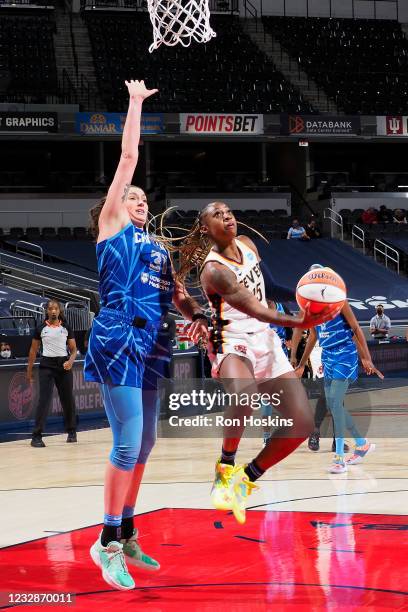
[{"x": 225, "y": 318}]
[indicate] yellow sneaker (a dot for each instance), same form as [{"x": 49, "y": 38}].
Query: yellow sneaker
[
  {"x": 221, "y": 492},
  {"x": 242, "y": 489}
]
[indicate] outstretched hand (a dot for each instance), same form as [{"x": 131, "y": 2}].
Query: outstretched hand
[
  {"x": 370, "y": 368},
  {"x": 198, "y": 330},
  {"x": 138, "y": 89},
  {"x": 312, "y": 319}
]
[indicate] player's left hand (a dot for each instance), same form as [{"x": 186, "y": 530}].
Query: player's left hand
[
  {"x": 67, "y": 365},
  {"x": 299, "y": 371},
  {"x": 198, "y": 330},
  {"x": 369, "y": 368}
]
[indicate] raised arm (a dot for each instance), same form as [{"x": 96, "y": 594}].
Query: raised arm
[
  {"x": 216, "y": 278},
  {"x": 114, "y": 215}
]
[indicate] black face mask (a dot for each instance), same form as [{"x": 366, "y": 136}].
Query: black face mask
[{"x": 380, "y": 312}]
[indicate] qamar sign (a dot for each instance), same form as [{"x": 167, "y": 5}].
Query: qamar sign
[{"x": 109, "y": 124}]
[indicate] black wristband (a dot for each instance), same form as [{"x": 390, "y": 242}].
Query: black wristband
[{"x": 199, "y": 315}]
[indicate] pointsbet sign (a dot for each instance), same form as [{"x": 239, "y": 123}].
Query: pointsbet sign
[{"x": 230, "y": 125}]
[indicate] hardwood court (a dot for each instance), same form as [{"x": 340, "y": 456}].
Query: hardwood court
[{"x": 311, "y": 540}]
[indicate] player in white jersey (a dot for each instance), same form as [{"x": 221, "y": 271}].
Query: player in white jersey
[
  {"x": 237, "y": 333},
  {"x": 245, "y": 353}
]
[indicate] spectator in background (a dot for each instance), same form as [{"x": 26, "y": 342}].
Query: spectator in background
[
  {"x": 380, "y": 324},
  {"x": 369, "y": 216},
  {"x": 5, "y": 351},
  {"x": 384, "y": 215},
  {"x": 312, "y": 229},
  {"x": 297, "y": 231},
  {"x": 399, "y": 216}
]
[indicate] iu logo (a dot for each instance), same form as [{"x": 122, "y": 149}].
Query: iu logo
[
  {"x": 296, "y": 125},
  {"x": 394, "y": 125},
  {"x": 20, "y": 396}
]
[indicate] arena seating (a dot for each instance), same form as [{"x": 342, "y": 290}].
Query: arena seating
[
  {"x": 271, "y": 223},
  {"x": 361, "y": 64},
  {"x": 290, "y": 259},
  {"x": 27, "y": 59},
  {"x": 229, "y": 74},
  {"x": 78, "y": 257}
]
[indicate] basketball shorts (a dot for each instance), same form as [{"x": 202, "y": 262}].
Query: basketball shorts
[
  {"x": 340, "y": 363},
  {"x": 118, "y": 351},
  {"x": 263, "y": 349}
]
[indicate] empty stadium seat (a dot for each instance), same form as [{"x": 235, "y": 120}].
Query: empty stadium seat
[
  {"x": 33, "y": 233},
  {"x": 27, "y": 59},
  {"x": 64, "y": 233},
  {"x": 360, "y": 63},
  {"x": 80, "y": 233},
  {"x": 16, "y": 233},
  {"x": 49, "y": 233},
  {"x": 217, "y": 82}
]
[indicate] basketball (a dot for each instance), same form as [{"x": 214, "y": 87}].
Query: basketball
[{"x": 321, "y": 287}]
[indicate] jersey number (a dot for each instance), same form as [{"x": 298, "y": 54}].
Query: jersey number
[
  {"x": 159, "y": 262},
  {"x": 257, "y": 291}
]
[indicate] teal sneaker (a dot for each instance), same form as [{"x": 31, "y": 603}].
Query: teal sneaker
[
  {"x": 112, "y": 562},
  {"x": 135, "y": 555}
]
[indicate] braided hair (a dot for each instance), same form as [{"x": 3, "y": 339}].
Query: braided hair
[{"x": 192, "y": 247}]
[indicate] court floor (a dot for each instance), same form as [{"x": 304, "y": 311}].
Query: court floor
[{"x": 311, "y": 540}]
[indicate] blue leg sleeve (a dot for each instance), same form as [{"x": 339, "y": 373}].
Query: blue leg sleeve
[
  {"x": 151, "y": 407},
  {"x": 335, "y": 391},
  {"x": 123, "y": 406}
]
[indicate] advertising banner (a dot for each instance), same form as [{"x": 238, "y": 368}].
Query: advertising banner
[
  {"x": 91, "y": 124},
  {"x": 228, "y": 124},
  {"x": 396, "y": 125},
  {"x": 320, "y": 125},
  {"x": 28, "y": 122},
  {"x": 18, "y": 398}
]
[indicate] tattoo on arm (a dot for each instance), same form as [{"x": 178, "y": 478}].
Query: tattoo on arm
[
  {"x": 125, "y": 192},
  {"x": 222, "y": 280}
]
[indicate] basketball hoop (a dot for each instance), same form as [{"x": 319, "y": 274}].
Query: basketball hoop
[{"x": 179, "y": 21}]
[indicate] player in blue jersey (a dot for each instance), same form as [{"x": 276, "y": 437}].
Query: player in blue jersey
[
  {"x": 342, "y": 340},
  {"x": 127, "y": 349}
]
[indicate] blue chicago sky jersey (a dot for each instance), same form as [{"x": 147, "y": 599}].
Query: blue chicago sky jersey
[
  {"x": 339, "y": 354},
  {"x": 334, "y": 333},
  {"x": 135, "y": 275}
]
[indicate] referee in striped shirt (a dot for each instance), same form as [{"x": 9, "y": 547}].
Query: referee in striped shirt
[{"x": 59, "y": 351}]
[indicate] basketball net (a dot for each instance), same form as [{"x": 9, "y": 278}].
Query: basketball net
[{"x": 179, "y": 21}]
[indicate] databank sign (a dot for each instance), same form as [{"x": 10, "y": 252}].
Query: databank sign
[
  {"x": 223, "y": 123},
  {"x": 396, "y": 125},
  {"x": 91, "y": 124},
  {"x": 320, "y": 125}
]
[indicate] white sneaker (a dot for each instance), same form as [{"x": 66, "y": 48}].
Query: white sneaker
[
  {"x": 338, "y": 466},
  {"x": 112, "y": 562},
  {"x": 360, "y": 452}
]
